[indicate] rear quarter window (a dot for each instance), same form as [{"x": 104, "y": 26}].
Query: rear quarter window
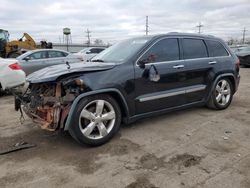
[
  {"x": 194, "y": 48},
  {"x": 216, "y": 49}
]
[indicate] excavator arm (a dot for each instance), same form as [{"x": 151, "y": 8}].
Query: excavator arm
[
  {"x": 15, "y": 47},
  {"x": 29, "y": 40}
]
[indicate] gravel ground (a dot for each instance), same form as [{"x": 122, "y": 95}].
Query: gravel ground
[{"x": 197, "y": 147}]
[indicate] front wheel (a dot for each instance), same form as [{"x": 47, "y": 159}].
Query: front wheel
[
  {"x": 96, "y": 120},
  {"x": 222, "y": 95}
]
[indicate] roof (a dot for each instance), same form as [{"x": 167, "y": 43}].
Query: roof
[
  {"x": 177, "y": 34},
  {"x": 186, "y": 35}
]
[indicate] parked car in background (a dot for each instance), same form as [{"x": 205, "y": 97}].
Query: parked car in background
[
  {"x": 132, "y": 79},
  {"x": 243, "y": 54},
  {"x": 11, "y": 74},
  {"x": 88, "y": 53},
  {"x": 34, "y": 60},
  {"x": 235, "y": 48}
]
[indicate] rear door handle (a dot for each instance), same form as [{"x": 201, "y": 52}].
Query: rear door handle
[
  {"x": 212, "y": 62},
  {"x": 178, "y": 66}
]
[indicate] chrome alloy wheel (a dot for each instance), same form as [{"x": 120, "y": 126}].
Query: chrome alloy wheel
[
  {"x": 223, "y": 92},
  {"x": 97, "y": 119}
]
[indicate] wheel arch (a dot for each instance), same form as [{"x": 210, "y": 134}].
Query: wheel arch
[
  {"x": 230, "y": 76},
  {"x": 115, "y": 93}
]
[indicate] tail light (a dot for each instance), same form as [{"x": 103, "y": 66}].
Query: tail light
[
  {"x": 15, "y": 66},
  {"x": 237, "y": 63}
]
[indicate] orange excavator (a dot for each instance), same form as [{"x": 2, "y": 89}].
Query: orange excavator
[{"x": 12, "y": 49}]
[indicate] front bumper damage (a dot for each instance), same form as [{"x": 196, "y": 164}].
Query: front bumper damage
[{"x": 48, "y": 105}]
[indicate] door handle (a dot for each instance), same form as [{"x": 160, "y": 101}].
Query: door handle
[
  {"x": 178, "y": 66},
  {"x": 212, "y": 62}
]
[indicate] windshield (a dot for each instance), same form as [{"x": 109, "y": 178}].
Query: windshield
[
  {"x": 121, "y": 50},
  {"x": 4, "y": 35}
]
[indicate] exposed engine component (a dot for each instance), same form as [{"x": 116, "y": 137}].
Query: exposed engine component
[{"x": 49, "y": 104}]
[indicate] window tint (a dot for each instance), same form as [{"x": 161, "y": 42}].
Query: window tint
[
  {"x": 164, "y": 50},
  {"x": 65, "y": 54},
  {"x": 98, "y": 50},
  {"x": 38, "y": 55},
  {"x": 92, "y": 51},
  {"x": 216, "y": 49},
  {"x": 55, "y": 54},
  {"x": 194, "y": 48}
]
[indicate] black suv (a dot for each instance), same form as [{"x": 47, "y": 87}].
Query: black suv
[{"x": 132, "y": 79}]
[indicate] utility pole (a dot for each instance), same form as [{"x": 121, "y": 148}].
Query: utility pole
[
  {"x": 88, "y": 36},
  {"x": 147, "y": 25},
  {"x": 200, "y": 26},
  {"x": 244, "y": 34}
]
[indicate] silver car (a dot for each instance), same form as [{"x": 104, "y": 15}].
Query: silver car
[{"x": 34, "y": 60}]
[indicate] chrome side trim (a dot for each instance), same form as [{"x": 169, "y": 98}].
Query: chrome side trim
[
  {"x": 161, "y": 96},
  {"x": 200, "y": 88},
  {"x": 173, "y": 93}
]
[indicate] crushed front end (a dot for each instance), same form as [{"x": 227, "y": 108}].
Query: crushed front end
[{"x": 48, "y": 104}]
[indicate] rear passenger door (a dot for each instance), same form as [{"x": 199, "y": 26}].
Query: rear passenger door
[
  {"x": 200, "y": 68},
  {"x": 221, "y": 56}
]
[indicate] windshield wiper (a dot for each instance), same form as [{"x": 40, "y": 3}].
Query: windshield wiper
[{"x": 97, "y": 60}]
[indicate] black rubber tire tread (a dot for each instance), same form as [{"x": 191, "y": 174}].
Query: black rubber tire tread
[
  {"x": 75, "y": 131},
  {"x": 212, "y": 103}
]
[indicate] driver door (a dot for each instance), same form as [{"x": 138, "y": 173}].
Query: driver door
[{"x": 160, "y": 84}]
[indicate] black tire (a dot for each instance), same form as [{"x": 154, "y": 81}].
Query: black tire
[
  {"x": 213, "y": 103},
  {"x": 75, "y": 128}
]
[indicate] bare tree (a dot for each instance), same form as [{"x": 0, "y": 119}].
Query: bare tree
[{"x": 98, "y": 42}]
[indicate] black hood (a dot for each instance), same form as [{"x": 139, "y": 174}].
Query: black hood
[{"x": 49, "y": 74}]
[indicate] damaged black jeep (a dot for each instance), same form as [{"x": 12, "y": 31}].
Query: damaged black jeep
[{"x": 133, "y": 79}]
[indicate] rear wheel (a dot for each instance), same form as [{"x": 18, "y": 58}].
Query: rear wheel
[
  {"x": 222, "y": 95},
  {"x": 96, "y": 120}
]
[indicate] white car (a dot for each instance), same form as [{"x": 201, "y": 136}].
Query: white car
[
  {"x": 11, "y": 74},
  {"x": 88, "y": 53}
]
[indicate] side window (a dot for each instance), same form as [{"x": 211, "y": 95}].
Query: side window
[
  {"x": 65, "y": 54},
  {"x": 37, "y": 55},
  {"x": 194, "y": 48},
  {"x": 55, "y": 54},
  {"x": 216, "y": 49},
  {"x": 164, "y": 50}
]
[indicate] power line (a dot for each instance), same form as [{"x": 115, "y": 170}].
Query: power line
[
  {"x": 244, "y": 35},
  {"x": 200, "y": 26},
  {"x": 147, "y": 25},
  {"x": 88, "y": 36}
]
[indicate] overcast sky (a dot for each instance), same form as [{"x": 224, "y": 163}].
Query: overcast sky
[{"x": 113, "y": 20}]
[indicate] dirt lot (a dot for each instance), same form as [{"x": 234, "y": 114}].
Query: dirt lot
[{"x": 192, "y": 148}]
